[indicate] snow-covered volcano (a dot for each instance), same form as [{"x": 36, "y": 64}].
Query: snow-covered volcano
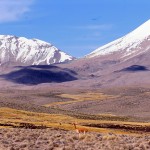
[
  {"x": 20, "y": 50},
  {"x": 128, "y": 46},
  {"x": 125, "y": 61}
]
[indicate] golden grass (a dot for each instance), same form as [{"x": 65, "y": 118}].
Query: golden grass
[
  {"x": 107, "y": 115},
  {"x": 15, "y": 117},
  {"x": 60, "y": 103},
  {"x": 87, "y": 96},
  {"x": 74, "y": 98}
]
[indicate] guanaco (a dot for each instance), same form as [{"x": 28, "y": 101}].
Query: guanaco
[{"x": 80, "y": 130}]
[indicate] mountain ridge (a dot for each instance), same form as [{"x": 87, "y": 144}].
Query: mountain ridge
[{"x": 29, "y": 51}]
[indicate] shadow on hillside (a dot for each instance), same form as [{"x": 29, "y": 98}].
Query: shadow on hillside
[
  {"x": 33, "y": 75},
  {"x": 134, "y": 68}
]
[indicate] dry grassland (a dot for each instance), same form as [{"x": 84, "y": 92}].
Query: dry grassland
[
  {"x": 16, "y": 118},
  {"x": 74, "y": 98}
]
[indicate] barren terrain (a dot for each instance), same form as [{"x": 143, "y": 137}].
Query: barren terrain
[{"x": 34, "y": 118}]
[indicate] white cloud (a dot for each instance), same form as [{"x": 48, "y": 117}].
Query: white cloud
[{"x": 12, "y": 10}]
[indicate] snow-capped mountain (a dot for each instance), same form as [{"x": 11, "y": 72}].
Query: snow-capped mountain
[
  {"x": 25, "y": 51},
  {"x": 128, "y": 46}
]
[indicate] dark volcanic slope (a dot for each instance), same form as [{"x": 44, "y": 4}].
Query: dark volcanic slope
[
  {"x": 106, "y": 71},
  {"x": 33, "y": 75},
  {"x": 88, "y": 72}
]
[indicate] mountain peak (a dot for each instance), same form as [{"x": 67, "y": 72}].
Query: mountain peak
[
  {"x": 126, "y": 44},
  {"x": 142, "y": 31},
  {"x": 25, "y": 51}
]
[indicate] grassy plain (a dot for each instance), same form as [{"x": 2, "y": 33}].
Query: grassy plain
[{"x": 25, "y": 119}]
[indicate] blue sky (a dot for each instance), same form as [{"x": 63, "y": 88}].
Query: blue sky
[{"x": 75, "y": 26}]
